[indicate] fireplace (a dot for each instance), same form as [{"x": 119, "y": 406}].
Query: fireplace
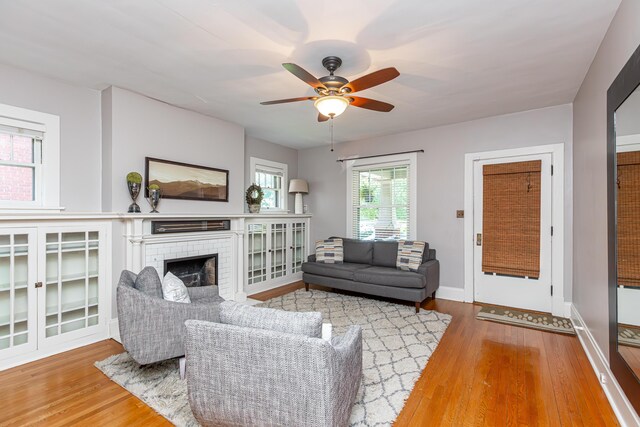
[{"x": 199, "y": 270}]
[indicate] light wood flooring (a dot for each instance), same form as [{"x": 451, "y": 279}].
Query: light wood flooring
[{"x": 482, "y": 373}]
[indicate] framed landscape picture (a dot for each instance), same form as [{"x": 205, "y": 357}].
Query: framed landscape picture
[{"x": 185, "y": 181}]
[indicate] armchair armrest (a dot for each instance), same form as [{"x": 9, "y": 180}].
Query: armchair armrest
[{"x": 347, "y": 368}]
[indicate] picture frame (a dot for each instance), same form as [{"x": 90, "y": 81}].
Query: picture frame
[{"x": 185, "y": 181}]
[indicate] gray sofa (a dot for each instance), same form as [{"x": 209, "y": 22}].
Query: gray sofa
[
  {"x": 370, "y": 268},
  {"x": 266, "y": 367},
  {"x": 151, "y": 328}
]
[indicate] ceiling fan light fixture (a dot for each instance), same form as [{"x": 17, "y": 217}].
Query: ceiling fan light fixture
[{"x": 332, "y": 105}]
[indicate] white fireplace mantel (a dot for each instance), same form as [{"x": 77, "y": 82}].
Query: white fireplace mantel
[{"x": 144, "y": 248}]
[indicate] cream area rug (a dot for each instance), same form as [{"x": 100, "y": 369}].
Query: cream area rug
[{"x": 397, "y": 344}]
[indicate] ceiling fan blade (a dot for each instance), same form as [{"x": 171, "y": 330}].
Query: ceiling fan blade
[
  {"x": 303, "y": 75},
  {"x": 282, "y": 101},
  {"x": 371, "y": 104},
  {"x": 322, "y": 118},
  {"x": 373, "y": 79}
]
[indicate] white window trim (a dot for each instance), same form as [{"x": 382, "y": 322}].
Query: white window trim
[
  {"x": 387, "y": 161},
  {"x": 47, "y": 186},
  {"x": 284, "y": 194}
]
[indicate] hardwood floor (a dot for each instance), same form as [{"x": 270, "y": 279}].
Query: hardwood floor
[{"x": 482, "y": 373}]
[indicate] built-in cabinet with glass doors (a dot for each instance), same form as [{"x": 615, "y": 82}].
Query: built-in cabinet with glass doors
[
  {"x": 52, "y": 289},
  {"x": 275, "y": 250}
]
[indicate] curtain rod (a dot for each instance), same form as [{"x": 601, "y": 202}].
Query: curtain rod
[{"x": 381, "y": 155}]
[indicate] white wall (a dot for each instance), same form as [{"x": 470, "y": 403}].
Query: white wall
[
  {"x": 79, "y": 111},
  {"x": 254, "y": 147},
  {"x": 440, "y": 177},
  {"x": 143, "y": 127},
  {"x": 590, "y": 165}
]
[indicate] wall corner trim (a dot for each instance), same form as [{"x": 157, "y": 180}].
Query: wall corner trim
[{"x": 621, "y": 406}]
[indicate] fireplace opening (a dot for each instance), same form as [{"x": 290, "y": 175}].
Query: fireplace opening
[{"x": 194, "y": 271}]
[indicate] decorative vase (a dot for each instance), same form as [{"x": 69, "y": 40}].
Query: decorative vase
[
  {"x": 154, "y": 199},
  {"x": 134, "y": 191},
  {"x": 254, "y": 209}
]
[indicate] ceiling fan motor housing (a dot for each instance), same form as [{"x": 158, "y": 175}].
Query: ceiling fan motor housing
[{"x": 331, "y": 82}]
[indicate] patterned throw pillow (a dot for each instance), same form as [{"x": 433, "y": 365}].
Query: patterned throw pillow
[
  {"x": 409, "y": 255},
  {"x": 330, "y": 251},
  {"x": 173, "y": 289}
]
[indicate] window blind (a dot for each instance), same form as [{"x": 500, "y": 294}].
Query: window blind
[
  {"x": 628, "y": 218},
  {"x": 511, "y": 219},
  {"x": 381, "y": 202}
]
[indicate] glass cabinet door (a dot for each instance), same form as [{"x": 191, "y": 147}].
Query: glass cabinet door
[
  {"x": 72, "y": 283},
  {"x": 18, "y": 308},
  {"x": 298, "y": 245},
  {"x": 256, "y": 253},
  {"x": 278, "y": 250}
]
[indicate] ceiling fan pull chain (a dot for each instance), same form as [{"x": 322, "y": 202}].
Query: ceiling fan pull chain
[{"x": 332, "y": 134}]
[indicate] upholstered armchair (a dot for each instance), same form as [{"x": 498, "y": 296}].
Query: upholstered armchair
[
  {"x": 151, "y": 328},
  {"x": 270, "y": 367}
]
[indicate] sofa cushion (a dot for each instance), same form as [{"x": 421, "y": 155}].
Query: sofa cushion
[
  {"x": 340, "y": 271},
  {"x": 148, "y": 282},
  {"x": 410, "y": 254},
  {"x": 358, "y": 251},
  {"x": 330, "y": 251},
  {"x": 308, "y": 324},
  {"x": 385, "y": 253},
  {"x": 388, "y": 276}
]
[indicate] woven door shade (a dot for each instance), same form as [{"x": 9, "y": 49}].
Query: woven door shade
[
  {"x": 628, "y": 221},
  {"x": 511, "y": 219}
]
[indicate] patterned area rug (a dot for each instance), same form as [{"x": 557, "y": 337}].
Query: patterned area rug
[
  {"x": 397, "y": 344},
  {"x": 629, "y": 335},
  {"x": 527, "y": 319}
]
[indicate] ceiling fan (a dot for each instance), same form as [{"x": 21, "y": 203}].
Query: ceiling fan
[{"x": 334, "y": 92}]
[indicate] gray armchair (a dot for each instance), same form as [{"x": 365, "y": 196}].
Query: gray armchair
[
  {"x": 151, "y": 328},
  {"x": 238, "y": 375}
]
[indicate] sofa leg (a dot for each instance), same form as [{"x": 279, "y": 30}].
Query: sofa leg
[
  {"x": 183, "y": 367},
  {"x": 306, "y": 286},
  {"x": 417, "y": 306},
  {"x": 433, "y": 295}
]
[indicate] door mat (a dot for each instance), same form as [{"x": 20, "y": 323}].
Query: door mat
[
  {"x": 526, "y": 319},
  {"x": 628, "y": 335}
]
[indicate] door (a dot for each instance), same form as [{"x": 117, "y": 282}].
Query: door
[
  {"x": 72, "y": 301},
  {"x": 277, "y": 250},
  {"x": 18, "y": 293},
  {"x": 512, "y": 230}
]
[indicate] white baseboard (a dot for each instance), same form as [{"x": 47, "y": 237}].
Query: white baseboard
[
  {"x": 114, "y": 331},
  {"x": 621, "y": 406},
  {"x": 450, "y": 293}
]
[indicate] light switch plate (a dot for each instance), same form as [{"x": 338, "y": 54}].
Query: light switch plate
[{"x": 460, "y": 214}]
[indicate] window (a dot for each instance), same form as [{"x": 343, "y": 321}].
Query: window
[
  {"x": 382, "y": 197},
  {"x": 25, "y": 137},
  {"x": 272, "y": 177}
]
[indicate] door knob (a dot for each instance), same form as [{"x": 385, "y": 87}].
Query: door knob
[{"x": 479, "y": 239}]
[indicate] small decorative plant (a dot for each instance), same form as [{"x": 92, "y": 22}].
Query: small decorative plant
[
  {"x": 134, "y": 177},
  {"x": 253, "y": 196},
  {"x": 153, "y": 187}
]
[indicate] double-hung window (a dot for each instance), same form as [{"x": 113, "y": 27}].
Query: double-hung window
[
  {"x": 272, "y": 177},
  {"x": 29, "y": 159},
  {"x": 382, "y": 197}
]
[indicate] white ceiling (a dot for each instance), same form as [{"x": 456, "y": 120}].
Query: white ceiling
[{"x": 459, "y": 59}]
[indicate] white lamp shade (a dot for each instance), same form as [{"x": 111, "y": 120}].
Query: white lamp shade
[
  {"x": 331, "y": 106},
  {"x": 298, "y": 186}
]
